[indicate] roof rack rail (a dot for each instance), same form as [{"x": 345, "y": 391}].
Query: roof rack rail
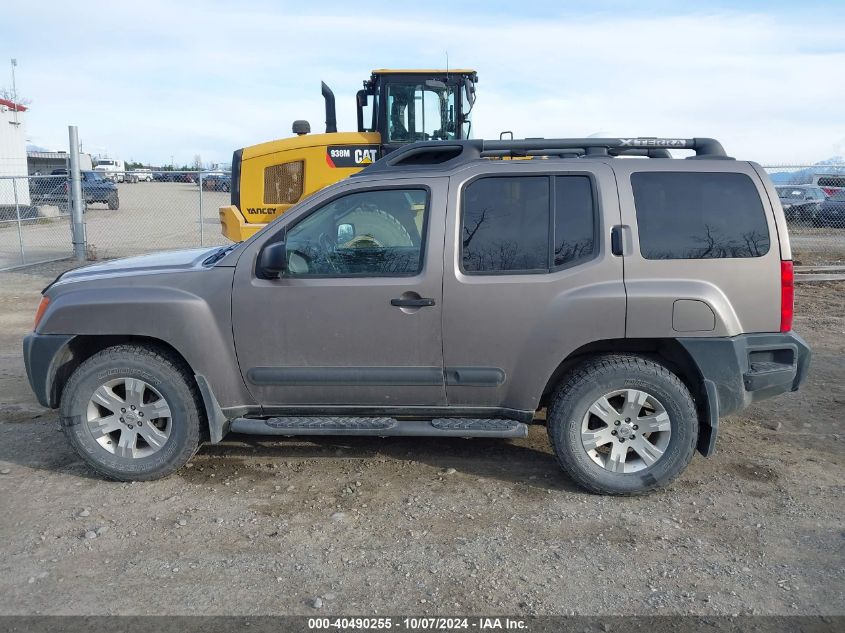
[{"x": 447, "y": 154}]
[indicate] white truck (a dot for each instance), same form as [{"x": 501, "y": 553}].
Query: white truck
[
  {"x": 142, "y": 174},
  {"x": 112, "y": 169}
]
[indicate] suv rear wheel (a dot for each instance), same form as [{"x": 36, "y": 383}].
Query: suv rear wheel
[
  {"x": 623, "y": 424},
  {"x": 131, "y": 412}
]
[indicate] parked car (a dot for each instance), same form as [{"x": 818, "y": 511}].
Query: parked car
[
  {"x": 832, "y": 211},
  {"x": 831, "y": 184},
  {"x": 801, "y": 203},
  {"x": 439, "y": 293},
  {"x": 216, "y": 182},
  {"x": 142, "y": 174},
  {"x": 95, "y": 189}
]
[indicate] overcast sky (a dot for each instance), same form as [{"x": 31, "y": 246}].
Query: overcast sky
[{"x": 150, "y": 80}]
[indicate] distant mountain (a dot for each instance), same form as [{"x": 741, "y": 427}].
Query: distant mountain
[{"x": 805, "y": 175}]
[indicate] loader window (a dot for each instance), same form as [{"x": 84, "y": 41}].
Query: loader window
[
  {"x": 416, "y": 112},
  {"x": 376, "y": 233}
]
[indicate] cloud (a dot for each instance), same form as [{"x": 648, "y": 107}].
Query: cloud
[{"x": 187, "y": 78}]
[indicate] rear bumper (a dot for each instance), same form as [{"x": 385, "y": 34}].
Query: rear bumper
[
  {"x": 742, "y": 369},
  {"x": 40, "y": 352},
  {"x": 750, "y": 367}
]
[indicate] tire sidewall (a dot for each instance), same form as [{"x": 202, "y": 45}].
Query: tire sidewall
[
  {"x": 167, "y": 382},
  {"x": 682, "y": 418}
]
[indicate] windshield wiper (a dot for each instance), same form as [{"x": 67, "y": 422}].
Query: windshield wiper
[{"x": 217, "y": 255}]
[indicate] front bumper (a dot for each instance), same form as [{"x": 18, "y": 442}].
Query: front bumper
[{"x": 42, "y": 357}]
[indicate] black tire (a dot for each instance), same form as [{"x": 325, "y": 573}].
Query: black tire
[
  {"x": 113, "y": 202},
  {"x": 168, "y": 376},
  {"x": 598, "y": 376}
]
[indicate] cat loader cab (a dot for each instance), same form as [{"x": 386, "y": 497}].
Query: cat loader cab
[{"x": 394, "y": 108}]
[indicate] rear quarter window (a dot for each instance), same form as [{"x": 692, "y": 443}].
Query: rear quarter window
[{"x": 699, "y": 215}]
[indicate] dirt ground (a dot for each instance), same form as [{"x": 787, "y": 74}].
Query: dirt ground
[{"x": 428, "y": 526}]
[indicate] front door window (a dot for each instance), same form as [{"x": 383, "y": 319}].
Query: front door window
[{"x": 364, "y": 234}]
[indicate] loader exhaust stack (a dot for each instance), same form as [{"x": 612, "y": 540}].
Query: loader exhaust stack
[{"x": 331, "y": 116}]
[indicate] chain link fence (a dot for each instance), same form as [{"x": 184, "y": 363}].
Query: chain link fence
[
  {"x": 813, "y": 201},
  {"x": 34, "y": 220},
  {"x": 146, "y": 212},
  {"x": 132, "y": 213}
]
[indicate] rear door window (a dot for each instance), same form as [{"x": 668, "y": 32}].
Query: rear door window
[
  {"x": 505, "y": 225},
  {"x": 575, "y": 220},
  {"x": 699, "y": 215}
]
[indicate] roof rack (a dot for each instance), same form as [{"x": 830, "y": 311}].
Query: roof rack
[{"x": 448, "y": 154}]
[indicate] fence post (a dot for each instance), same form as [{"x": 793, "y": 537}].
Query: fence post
[
  {"x": 80, "y": 246},
  {"x": 18, "y": 215},
  {"x": 201, "y": 228}
]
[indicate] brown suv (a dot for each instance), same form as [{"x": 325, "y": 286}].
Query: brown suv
[{"x": 443, "y": 291}]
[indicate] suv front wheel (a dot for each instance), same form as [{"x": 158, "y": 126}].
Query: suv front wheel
[
  {"x": 131, "y": 412},
  {"x": 623, "y": 424}
]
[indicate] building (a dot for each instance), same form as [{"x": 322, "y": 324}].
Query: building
[
  {"x": 12, "y": 154},
  {"x": 42, "y": 163}
]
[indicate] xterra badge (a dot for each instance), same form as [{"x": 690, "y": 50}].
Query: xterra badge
[{"x": 351, "y": 155}]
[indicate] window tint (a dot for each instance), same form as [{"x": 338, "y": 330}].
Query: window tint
[
  {"x": 370, "y": 233},
  {"x": 505, "y": 224},
  {"x": 699, "y": 215},
  {"x": 574, "y": 219}
]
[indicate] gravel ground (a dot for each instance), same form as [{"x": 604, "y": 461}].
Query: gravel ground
[{"x": 427, "y": 526}]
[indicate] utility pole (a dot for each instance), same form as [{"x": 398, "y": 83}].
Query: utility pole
[
  {"x": 15, "y": 90},
  {"x": 77, "y": 223}
]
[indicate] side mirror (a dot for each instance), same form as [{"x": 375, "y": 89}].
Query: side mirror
[
  {"x": 273, "y": 260},
  {"x": 345, "y": 232},
  {"x": 435, "y": 84}
]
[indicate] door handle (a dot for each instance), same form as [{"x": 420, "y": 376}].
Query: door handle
[
  {"x": 412, "y": 303},
  {"x": 616, "y": 245}
]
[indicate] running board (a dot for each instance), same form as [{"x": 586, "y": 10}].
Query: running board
[{"x": 380, "y": 427}]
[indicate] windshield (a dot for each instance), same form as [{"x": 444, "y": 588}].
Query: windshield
[
  {"x": 839, "y": 195},
  {"x": 92, "y": 175},
  {"x": 105, "y": 163},
  {"x": 417, "y": 112}
]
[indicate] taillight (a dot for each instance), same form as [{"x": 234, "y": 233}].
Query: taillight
[
  {"x": 42, "y": 308},
  {"x": 787, "y": 295}
]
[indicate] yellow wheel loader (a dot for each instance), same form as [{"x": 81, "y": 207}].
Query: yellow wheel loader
[{"x": 394, "y": 108}]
